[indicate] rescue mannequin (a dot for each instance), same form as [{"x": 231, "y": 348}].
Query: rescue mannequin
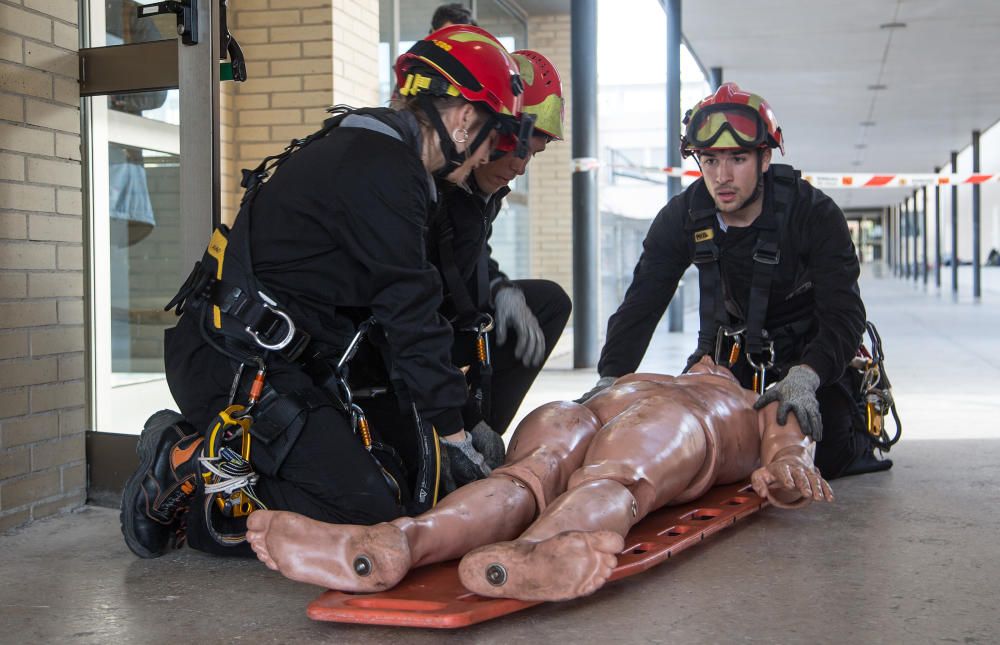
[{"x": 548, "y": 524}]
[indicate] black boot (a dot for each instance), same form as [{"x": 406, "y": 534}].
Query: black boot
[
  {"x": 158, "y": 494},
  {"x": 867, "y": 462}
]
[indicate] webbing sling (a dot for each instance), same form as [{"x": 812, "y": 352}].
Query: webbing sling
[
  {"x": 711, "y": 310},
  {"x": 467, "y": 312},
  {"x": 767, "y": 255}
]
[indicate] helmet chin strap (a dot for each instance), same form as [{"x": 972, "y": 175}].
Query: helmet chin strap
[{"x": 452, "y": 157}]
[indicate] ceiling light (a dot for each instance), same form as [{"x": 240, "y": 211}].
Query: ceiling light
[
  {"x": 855, "y": 163},
  {"x": 867, "y": 124},
  {"x": 860, "y": 146},
  {"x": 877, "y": 87},
  {"x": 892, "y": 25}
]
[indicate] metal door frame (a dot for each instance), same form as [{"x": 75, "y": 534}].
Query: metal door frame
[{"x": 166, "y": 64}]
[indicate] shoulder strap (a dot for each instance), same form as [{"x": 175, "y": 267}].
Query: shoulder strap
[
  {"x": 465, "y": 309},
  {"x": 767, "y": 252},
  {"x": 701, "y": 225}
]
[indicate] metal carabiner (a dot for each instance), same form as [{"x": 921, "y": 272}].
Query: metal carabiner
[
  {"x": 728, "y": 332},
  {"x": 760, "y": 369},
  {"x": 352, "y": 347},
  {"x": 482, "y": 342}
]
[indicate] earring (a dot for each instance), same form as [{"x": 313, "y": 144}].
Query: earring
[{"x": 459, "y": 135}]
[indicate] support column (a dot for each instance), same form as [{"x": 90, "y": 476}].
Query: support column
[
  {"x": 586, "y": 279},
  {"x": 672, "y": 9},
  {"x": 937, "y": 231},
  {"x": 977, "y": 267},
  {"x": 900, "y": 261},
  {"x": 954, "y": 226},
  {"x": 897, "y": 256},
  {"x": 715, "y": 78},
  {"x": 923, "y": 232},
  {"x": 886, "y": 253},
  {"x": 907, "y": 233},
  {"x": 914, "y": 237}
]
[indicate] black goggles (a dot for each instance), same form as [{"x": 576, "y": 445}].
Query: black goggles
[{"x": 515, "y": 135}]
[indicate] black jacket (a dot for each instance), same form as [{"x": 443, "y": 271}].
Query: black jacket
[
  {"x": 339, "y": 232},
  {"x": 816, "y": 279},
  {"x": 469, "y": 215}
]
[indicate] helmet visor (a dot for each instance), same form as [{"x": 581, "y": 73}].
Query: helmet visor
[
  {"x": 515, "y": 135},
  {"x": 742, "y": 122}
]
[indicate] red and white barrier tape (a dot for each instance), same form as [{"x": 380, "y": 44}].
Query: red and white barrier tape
[{"x": 824, "y": 179}]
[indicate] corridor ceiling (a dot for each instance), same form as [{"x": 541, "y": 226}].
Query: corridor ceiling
[{"x": 860, "y": 85}]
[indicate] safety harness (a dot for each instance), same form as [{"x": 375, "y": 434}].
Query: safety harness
[
  {"x": 242, "y": 321},
  {"x": 471, "y": 313},
  {"x": 728, "y": 340},
  {"x": 717, "y": 332}
]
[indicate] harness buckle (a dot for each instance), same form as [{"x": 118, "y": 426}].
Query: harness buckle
[
  {"x": 704, "y": 253},
  {"x": 274, "y": 346},
  {"x": 766, "y": 255}
]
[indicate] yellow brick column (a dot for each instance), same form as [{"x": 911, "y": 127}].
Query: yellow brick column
[
  {"x": 355, "y": 52},
  {"x": 42, "y": 390},
  {"x": 550, "y": 189},
  {"x": 302, "y": 57}
]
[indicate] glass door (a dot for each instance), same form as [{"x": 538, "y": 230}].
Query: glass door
[{"x": 150, "y": 117}]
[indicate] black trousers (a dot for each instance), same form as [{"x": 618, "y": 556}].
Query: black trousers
[
  {"x": 327, "y": 474},
  {"x": 842, "y": 442},
  {"x": 511, "y": 379}
]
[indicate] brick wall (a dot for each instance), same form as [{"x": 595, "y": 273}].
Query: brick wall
[
  {"x": 550, "y": 190},
  {"x": 302, "y": 56},
  {"x": 287, "y": 48},
  {"x": 355, "y": 52},
  {"x": 42, "y": 391}
]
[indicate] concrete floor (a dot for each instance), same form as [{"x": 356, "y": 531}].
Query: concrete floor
[{"x": 908, "y": 556}]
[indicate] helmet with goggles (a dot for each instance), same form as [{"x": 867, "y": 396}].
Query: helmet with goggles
[
  {"x": 543, "y": 108},
  {"x": 542, "y": 93},
  {"x": 730, "y": 119},
  {"x": 468, "y": 62}
]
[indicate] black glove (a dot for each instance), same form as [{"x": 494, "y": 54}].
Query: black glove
[
  {"x": 797, "y": 393},
  {"x": 603, "y": 383},
  {"x": 692, "y": 359}
]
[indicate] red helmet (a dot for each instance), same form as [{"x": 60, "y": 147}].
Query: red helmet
[
  {"x": 730, "y": 119},
  {"x": 472, "y": 63},
  {"x": 542, "y": 93}
]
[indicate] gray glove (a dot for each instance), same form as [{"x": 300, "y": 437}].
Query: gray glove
[
  {"x": 512, "y": 312},
  {"x": 603, "y": 383},
  {"x": 797, "y": 393},
  {"x": 462, "y": 463},
  {"x": 489, "y": 444}
]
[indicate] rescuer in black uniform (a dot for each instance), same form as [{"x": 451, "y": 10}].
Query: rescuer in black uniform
[
  {"x": 778, "y": 277},
  {"x": 333, "y": 239},
  {"x": 529, "y": 315}
]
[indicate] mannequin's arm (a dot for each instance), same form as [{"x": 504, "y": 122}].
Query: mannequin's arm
[{"x": 787, "y": 476}]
